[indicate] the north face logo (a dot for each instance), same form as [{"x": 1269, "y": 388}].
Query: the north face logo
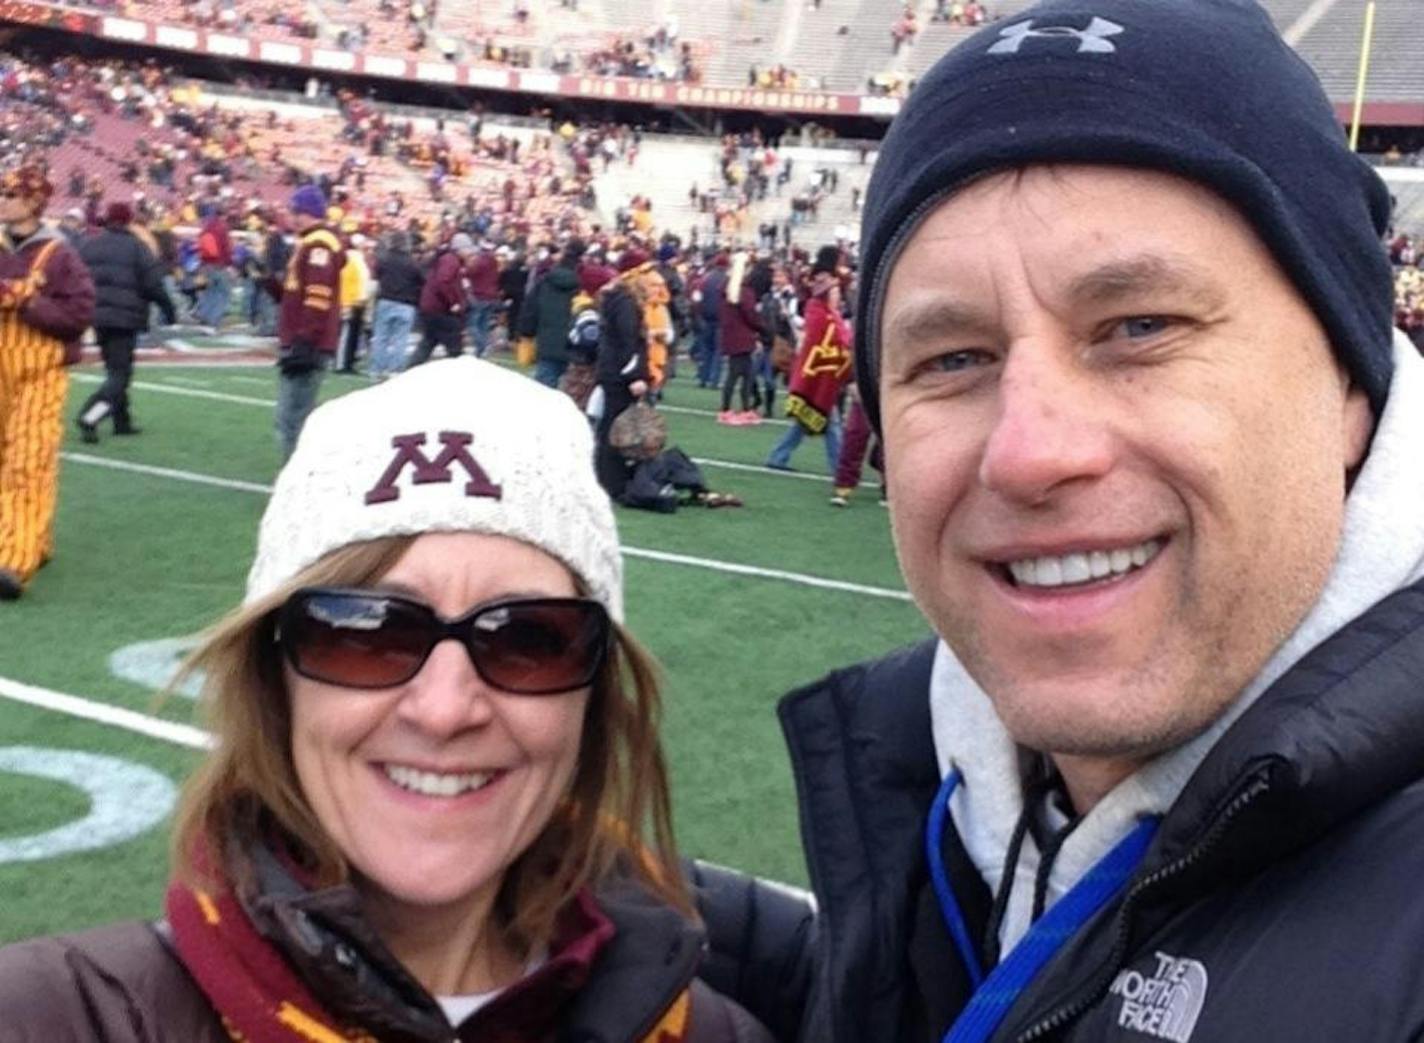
[
  {"x": 1166, "y": 1005},
  {"x": 1092, "y": 40},
  {"x": 408, "y": 454}
]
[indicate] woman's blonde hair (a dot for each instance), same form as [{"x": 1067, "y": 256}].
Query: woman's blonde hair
[{"x": 617, "y": 812}]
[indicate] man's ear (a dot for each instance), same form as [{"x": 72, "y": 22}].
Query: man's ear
[{"x": 1357, "y": 423}]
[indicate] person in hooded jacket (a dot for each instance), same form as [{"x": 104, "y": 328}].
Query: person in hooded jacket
[
  {"x": 128, "y": 279},
  {"x": 437, "y": 809},
  {"x": 547, "y": 315},
  {"x": 621, "y": 368},
  {"x": 1155, "y": 486}
]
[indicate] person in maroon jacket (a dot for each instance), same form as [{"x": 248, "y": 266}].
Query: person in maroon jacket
[
  {"x": 482, "y": 276},
  {"x": 739, "y": 327},
  {"x": 309, "y": 318},
  {"x": 443, "y": 299},
  {"x": 46, "y": 302},
  {"x": 215, "y": 253}
]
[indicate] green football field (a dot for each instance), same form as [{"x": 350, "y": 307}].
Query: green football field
[{"x": 154, "y": 538}]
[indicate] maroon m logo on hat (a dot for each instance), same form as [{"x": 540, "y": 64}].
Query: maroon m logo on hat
[{"x": 456, "y": 451}]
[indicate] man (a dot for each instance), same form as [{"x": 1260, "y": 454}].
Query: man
[
  {"x": 1124, "y": 326},
  {"x": 272, "y": 269},
  {"x": 46, "y": 302},
  {"x": 215, "y": 257},
  {"x": 399, "y": 282},
  {"x": 128, "y": 280},
  {"x": 548, "y": 315},
  {"x": 482, "y": 277},
  {"x": 443, "y": 299},
  {"x": 309, "y": 319}
]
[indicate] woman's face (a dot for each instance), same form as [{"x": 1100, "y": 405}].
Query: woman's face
[{"x": 433, "y": 788}]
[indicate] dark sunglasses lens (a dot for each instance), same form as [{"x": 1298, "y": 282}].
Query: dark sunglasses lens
[
  {"x": 355, "y": 640},
  {"x": 540, "y": 647}
]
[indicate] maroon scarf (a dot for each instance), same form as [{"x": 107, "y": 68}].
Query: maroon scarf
[{"x": 261, "y": 1000}]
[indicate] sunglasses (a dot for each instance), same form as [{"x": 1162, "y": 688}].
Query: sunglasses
[{"x": 366, "y": 639}]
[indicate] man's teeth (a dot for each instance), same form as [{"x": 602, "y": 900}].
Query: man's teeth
[
  {"x": 1068, "y": 569},
  {"x": 433, "y": 785}
]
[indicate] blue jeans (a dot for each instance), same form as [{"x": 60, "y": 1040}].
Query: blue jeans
[
  {"x": 265, "y": 313},
  {"x": 390, "y": 336},
  {"x": 296, "y": 398},
  {"x": 548, "y": 371},
  {"x": 478, "y": 321},
  {"x": 709, "y": 358},
  {"x": 216, "y": 296},
  {"x": 781, "y": 452}
]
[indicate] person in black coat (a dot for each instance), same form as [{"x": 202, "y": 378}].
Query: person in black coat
[
  {"x": 548, "y": 313},
  {"x": 621, "y": 367},
  {"x": 128, "y": 277}
]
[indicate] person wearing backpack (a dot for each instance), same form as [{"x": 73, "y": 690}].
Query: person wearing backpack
[
  {"x": 585, "y": 335},
  {"x": 547, "y": 315}
]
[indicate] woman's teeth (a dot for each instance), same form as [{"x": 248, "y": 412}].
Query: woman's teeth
[
  {"x": 1070, "y": 569},
  {"x": 432, "y": 785}
]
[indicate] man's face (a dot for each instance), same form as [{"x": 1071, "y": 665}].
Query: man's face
[
  {"x": 1116, "y": 443},
  {"x": 15, "y": 208}
]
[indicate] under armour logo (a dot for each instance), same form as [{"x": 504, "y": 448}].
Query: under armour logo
[
  {"x": 456, "y": 451},
  {"x": 1092, "y": 40}
]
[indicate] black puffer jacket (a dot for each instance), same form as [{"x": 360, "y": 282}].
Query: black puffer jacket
[
  {"x": 1280, "y": 899},
  {"x": 127, "y": 278},
  {"x": 400, "y": 278}
]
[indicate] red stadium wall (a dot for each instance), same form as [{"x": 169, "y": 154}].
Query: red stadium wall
[
  {"x": 524, "y": 81},
  {"x": 395, "y": 67}
]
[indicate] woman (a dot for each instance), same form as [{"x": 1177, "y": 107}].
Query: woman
[
  {"x": 740, "y": 326},
  {"x": 423, "y": 818}
]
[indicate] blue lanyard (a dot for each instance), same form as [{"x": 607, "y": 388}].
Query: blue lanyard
[{"x": 996, "y": 993}]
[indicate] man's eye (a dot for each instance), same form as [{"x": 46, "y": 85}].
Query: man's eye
[
  {"x": 956, "y": 361},
  {"x": 1140, "y": 326}
]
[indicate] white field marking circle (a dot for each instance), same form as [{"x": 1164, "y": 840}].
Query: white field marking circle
[
  {"x": 153, "y": 664},
  {"x": 712, "y": 565},
  {"x": 125, "y": 801}
]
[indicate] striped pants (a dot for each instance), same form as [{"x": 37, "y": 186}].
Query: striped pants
[{"x": 33, "y": 383}]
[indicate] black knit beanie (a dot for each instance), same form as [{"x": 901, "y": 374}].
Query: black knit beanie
[{"x": 1204, "y": 89}]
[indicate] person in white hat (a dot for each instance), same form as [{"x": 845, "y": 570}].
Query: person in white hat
[{"x": 437, "y": 807}]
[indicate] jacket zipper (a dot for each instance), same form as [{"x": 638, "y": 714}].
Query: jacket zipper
[{"x": 1075, "y": 1008}]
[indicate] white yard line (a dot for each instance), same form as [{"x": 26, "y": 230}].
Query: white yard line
[
  {"x": 667, "y": 557},
  {"x": 267, "y": 403},
  {"x": 103, "y": 713}
]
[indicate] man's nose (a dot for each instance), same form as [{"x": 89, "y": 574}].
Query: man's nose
[{"x": 1050, "y": 427}]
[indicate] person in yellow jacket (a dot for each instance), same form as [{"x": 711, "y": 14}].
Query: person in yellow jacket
[
  {"x": 46, "y": 302},
  {"x": 657, "y": 317},
  {"x": 355, "y": 291}
]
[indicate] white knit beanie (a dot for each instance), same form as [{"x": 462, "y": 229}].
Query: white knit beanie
[{"x": 458, "y": 445}]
